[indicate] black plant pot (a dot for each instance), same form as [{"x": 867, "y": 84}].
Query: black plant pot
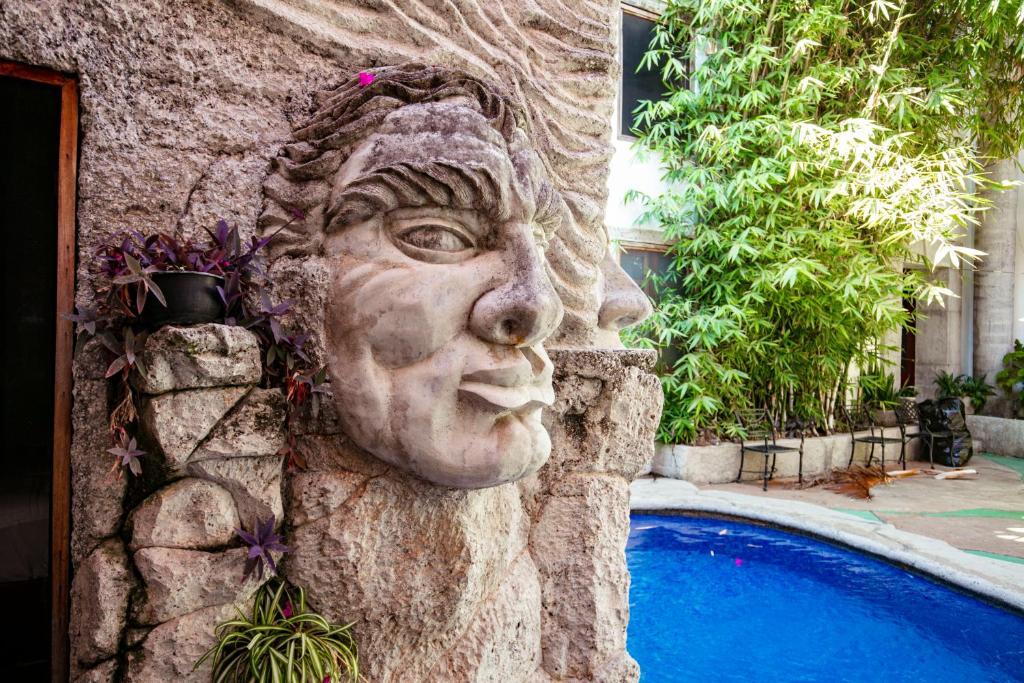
[{"x": 192, "y": 299}]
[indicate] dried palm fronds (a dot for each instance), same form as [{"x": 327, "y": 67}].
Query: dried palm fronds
[{"x": 858, "y": 481}]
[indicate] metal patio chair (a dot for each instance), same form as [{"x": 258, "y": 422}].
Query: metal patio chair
[
  {"x": 908, "y": 417},
  {"x": 856, "y": 417},
  {"x": 758, "y": 426}
]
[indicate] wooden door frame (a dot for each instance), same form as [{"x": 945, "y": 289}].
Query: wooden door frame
[{"x": 60, "y": 510}]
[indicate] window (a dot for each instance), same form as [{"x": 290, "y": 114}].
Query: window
[
  {"x": 637, "y": 32},
  {"x": 642, "y": 262}
]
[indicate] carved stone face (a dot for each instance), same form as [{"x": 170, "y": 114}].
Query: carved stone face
[{"x": 439, "y": 303}]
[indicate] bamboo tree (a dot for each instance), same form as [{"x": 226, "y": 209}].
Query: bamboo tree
[{"x": 828, "y": 158}]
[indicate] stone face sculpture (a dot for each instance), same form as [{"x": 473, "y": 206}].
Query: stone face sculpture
[{"x": 422, "y": 193}]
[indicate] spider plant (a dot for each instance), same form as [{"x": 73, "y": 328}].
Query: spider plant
[{"x": 282, "y": 641}]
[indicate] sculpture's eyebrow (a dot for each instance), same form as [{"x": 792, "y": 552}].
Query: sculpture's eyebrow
[{"x": 453, "y": 184}]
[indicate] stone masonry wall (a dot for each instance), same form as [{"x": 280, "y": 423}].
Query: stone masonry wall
[
  {"x": 145, "y": 601},
  {"x": 521, "y": 582}
]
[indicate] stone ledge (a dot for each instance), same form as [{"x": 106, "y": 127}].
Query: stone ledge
[
  {"x": 718, "y": 464},
  {"x": 211, "y": 355},
  {"x": 999, "y": 435}
]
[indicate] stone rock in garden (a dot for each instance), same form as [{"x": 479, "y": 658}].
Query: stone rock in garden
[
  {"x": 254, "y": 483},
  {"x": 96, "y": 496},
  {"x": 503, "y": 642},
  {"x": 200, "y": 356},
  {"x": 177, "y": 581},
  {"x": 99, "y": 604},
  {"x": 578, "y": 543},
  {"x": 254, "y": 427},
  {"x": 101, "y": 673},
  {"x": 190, "y": 513},
  {"x": 178, "y": 421},
  {"x": 412, "y": 565},
  {"x": 606, "y": 412},
  {"x": 171, "y": 649}
]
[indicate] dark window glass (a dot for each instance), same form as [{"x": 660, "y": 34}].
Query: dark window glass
[{"x": 637, "y": 33}]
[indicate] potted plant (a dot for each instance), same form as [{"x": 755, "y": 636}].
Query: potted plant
[
  {"x": 146, "y": 281},
  {"x": 1011, "y": 378},
  {"x": 879, "y": 394},
  {"x": 973, "y": 391}
]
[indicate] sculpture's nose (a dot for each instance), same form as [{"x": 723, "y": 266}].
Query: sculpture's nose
[
  {"x": 623, "y": 303},
  {"x": 524, "y": 309}
]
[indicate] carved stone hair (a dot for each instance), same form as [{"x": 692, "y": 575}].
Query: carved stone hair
[{"x": 302, "y": 174}]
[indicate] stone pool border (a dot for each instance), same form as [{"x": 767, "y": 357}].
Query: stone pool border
[{"x": 993, "y": 580}]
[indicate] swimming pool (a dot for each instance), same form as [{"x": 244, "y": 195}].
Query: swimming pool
[{"x": 715, "y": 600}]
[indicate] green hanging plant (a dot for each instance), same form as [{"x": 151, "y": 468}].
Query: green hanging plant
[{"x": 282, "y": 641}]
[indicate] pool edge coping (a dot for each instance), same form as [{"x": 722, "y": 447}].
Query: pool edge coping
[{"x": 991, "y": 579}]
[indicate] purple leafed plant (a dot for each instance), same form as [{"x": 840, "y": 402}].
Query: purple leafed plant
[
  {"x": 127, "y": 454},
  {"x": 125, "y": 272},
  {"x": 262, "y": 542}
]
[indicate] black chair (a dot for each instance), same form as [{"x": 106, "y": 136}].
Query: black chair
[
  {"x": 908, "y": 417},
  {"x": 856, "y": 417},
  {"x": 758, "y": 426}
]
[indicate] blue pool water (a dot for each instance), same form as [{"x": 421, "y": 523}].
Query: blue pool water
[{"x": 756, "y": 604}]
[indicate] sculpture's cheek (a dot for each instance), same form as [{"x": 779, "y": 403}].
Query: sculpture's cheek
[{"x": 406, "y": 313}]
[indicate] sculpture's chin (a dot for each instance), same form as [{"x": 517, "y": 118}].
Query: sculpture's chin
[{"x": 514, "y": 447}]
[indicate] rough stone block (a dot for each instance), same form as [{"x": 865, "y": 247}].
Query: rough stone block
[
  {"x": 96, "y": 497},
  {"x": 178, "y": 358},
  {"x": 503, "y": 642},
  {"x": 411, "y": 564},
  {"x": 178, "y": 421},
  {"x": 606, "y": 412},
  {"x": 171, "y": 649},
  {"x": 579, "y": 545},
  {"x": 254, "y": 483},
  {"x": 316, "y": 494},
  {"x": 181, "y": 581},
  {"x": 255, "y": 427},
  {"x": 99, "y": 604},
  {"x": 101, "y": 673},
  {"x": 190, "y": 513}
]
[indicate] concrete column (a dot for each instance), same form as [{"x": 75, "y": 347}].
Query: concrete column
[
  {"x": 938, "y": 335},
  {"x": 999, "y": 280}
]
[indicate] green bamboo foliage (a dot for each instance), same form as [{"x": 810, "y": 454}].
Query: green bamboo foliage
[
  {"x": 282, "y": 641},
  {"x": 825, "y": 160}
]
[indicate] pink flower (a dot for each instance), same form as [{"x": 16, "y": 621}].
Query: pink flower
[
  {"x": 365, "y": 78},
  {"x": 287, "y": 611},
  {"x": 739, "y": 562},
  {"x": 327, "y": 678}
]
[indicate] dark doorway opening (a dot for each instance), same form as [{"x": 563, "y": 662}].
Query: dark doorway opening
[{"x": 38, "y": 142}]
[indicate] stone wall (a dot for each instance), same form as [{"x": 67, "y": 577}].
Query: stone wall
[{"x": 145, "y": 600}]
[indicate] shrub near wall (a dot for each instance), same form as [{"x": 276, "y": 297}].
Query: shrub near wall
[{"x": 824, "y": 145}]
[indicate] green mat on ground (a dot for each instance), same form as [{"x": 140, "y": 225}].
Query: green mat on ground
[
  {"x": 863, "y": 514},
  {"x": 996, "y": 556},
  {"x": 1016, "y": 464}
]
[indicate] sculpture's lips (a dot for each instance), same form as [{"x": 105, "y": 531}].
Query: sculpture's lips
[
  {"x": 514, "y": 398},
  {"x": 518, "y": 386}
]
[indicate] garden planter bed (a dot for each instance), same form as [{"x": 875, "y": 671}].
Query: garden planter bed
[
  {"x": 999, "y": 435},
  {"x": 718, "y": 464}
]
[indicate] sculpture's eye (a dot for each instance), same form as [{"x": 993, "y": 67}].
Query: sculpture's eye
[{"x": 435, "y": 238}]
